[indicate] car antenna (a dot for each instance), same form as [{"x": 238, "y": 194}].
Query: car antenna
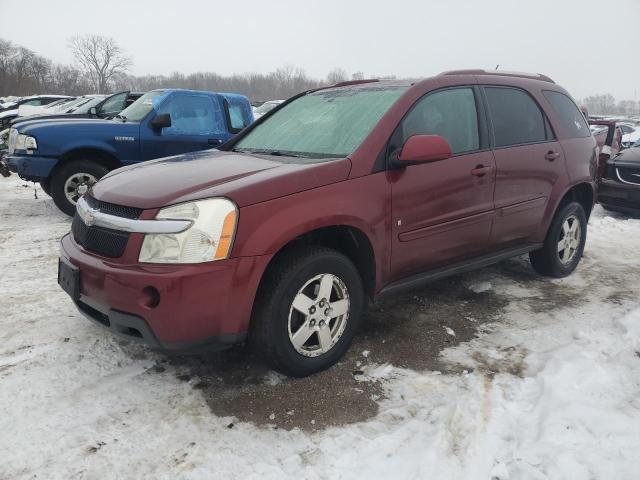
[{"x": 498, "y": 65}]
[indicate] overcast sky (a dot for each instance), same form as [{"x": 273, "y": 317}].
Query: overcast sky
[{"x": 587, "y": 46}]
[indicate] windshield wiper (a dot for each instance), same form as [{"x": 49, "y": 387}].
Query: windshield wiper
[{"x": 275, "y": 153}]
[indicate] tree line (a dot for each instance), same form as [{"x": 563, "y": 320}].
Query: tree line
[{"x": 101, "y": 66}]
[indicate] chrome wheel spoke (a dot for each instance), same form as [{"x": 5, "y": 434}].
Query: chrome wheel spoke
[
  {"x": 326, "y": 285},
  {"x": 302, "y": 335},
  {"x": 302, "y": 303},
  {"x": 324, "y": 337},
  {"x": 339, "y": 308}
]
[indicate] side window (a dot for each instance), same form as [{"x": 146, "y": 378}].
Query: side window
[
  {"x": 237, "y": 118},
  {"x": 115, "y": 104},
  {"x": 451, "y": 114},
  {"x": 192, "y": 115},
  {"x": 571, "y": 117},
  {"x": 516, "y": 118},
  {"x": 36, "y": 102}
]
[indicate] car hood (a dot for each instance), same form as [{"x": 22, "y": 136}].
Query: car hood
[
  {"x": 83, "y": 124},
  {"x": 629, "y": 156},
  {"x": 244, "y": 178},
  {"x": 37, "y": 119}
]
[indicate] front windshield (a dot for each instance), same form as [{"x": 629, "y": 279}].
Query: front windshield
[
  {"x": 71, "y": 103},
  {"x": 141, "y": 107},
  {"x": 84, "y": 107},
  {"x": 324, "y": 124}
]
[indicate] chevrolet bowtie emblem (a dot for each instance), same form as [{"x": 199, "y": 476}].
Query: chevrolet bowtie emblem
[{"x": 87, "y": 216}]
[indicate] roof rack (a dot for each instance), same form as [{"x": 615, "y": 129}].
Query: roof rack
[
  {"x": 503, "y": 73},
  {"x": 353, "y": 82}
]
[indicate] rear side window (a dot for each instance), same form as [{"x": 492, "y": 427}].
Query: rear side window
[
  {"x": 451, "y": 114},
  {"x": 192, "y": 115},
  {"x": 571, "y": 117},
  {"x": 237, "y": 114},
  {"x": 516, "y": 118}
]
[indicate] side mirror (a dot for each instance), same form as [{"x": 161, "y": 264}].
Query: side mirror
[
  {"x": 93, "y": 111},
  {"x": 160, "y": 121},
  {"x": 423, "y": 149}
]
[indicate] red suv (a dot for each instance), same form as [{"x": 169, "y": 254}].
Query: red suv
[{"x": 337, "y": 196}]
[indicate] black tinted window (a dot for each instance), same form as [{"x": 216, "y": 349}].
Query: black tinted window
[
  {"x": 570, "y": 116},
  {"x": 449, "y": 113},
  {"x": 515, "y": 116}
]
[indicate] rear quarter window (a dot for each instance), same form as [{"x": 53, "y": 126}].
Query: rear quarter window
[{"x": 569, "y": 114}]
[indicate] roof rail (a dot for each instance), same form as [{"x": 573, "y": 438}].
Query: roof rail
[
  {"x": 504, "y": 73},
  {"x": 353, "y": 82}
]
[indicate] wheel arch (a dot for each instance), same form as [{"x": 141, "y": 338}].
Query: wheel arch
[
  {"x": 100, "y": 156},
  {"x": 349, "y": 240}
]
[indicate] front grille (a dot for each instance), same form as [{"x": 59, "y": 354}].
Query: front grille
[
  {"x": 113, "y": 209},
  {"x": 99, "y": 240},
  {"x": 629, "y": 174}
]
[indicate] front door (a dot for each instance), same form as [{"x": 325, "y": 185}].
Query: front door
[
  {"x": 197, "y": 123},
  {"x": 442, "y": 211}
]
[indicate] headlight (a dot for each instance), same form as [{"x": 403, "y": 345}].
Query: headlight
[
  {"x": 25, "y": 142},
  {"x": 208, "y": 239}
]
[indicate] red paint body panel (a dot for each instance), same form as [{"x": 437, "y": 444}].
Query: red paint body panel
[{"x": 421, "y": 217}]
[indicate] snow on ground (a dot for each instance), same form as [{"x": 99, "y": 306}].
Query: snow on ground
[{"x": 548, "y": 389}]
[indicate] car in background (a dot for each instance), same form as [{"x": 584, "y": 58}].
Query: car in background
[
  {"x": 10, "y": 114},
  {"x": 265, "y": 108},
  {"x": 619, "y": 187},
  {"x": 68, "y": 155},
  {"x": 85, "y": 106},
  {"x": 342, "y": 194},
  {"x": 630, "y": 134},
  {"x": 608, "y": 137},
  {"x": 32, "y": 100}
]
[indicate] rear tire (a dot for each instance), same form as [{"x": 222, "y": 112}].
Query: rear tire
[
  {"x": 564, "y": 243},
  {"x": 72, "y": 180},
  {"x": 307, "y": 311}
]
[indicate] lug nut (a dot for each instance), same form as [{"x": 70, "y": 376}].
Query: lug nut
[
  {"x": 312, "y": 310},
  {"x": 321, "y": 323},
  {"x": 327, "y": 312},
  {"x": 312, "y": 322}
]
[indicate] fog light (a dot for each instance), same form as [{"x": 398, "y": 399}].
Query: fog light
[{"x": 150, "y": 297}]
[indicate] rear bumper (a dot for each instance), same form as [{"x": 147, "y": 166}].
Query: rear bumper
[
  {"x": 31, "y": 167},
  {"x": 191, "y": 306},
  {"x": 619, "y": 196}
]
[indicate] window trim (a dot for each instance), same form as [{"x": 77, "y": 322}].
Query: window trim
[
  {"x": 573, "y": 102},
  {"x": 227, "y": 115},
  {"x": 383, "y": 162},
  {"x": 492, "y": 132}
]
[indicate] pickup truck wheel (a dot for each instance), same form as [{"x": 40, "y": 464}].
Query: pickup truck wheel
[
  {"x": 45, "y": 185},
  {"x": 307, "y": 311},
  {"x": 564, "y": 244},
  {"x": 72, "y": 181}
]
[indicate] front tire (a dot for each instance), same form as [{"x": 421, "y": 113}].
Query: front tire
[
  {"x": 307, "y": 311},
  {"x": 564, "y": 243},
  {"x": 72, "y": 180}
]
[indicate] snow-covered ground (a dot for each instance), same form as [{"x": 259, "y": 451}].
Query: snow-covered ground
[{"x": 541, "y": 381}]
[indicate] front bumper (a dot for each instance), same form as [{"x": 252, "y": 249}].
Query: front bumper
[
  {"x": 31, "y": 167},
  {"x": 619, "y": 196},
  {"x": 170, "y": 307}
]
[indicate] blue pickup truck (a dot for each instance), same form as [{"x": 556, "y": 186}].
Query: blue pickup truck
[{"x": 68, "y": 155}]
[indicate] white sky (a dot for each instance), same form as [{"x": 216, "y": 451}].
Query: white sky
[{"x": 587, "y": 46}]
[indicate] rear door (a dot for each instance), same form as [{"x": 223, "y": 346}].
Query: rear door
[
  {"x": 197, "y": 123},
  {"x": 442, "y": 211},
  {"x": 529, "y": 162}
]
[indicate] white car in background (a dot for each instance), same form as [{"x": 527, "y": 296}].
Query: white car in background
[
  {"x": 630, "y": 134},
  {"x": 265, "y": 108}
]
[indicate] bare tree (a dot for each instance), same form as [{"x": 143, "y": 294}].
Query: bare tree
[
  {"x": 337, "y": 75},
  {"x": 101, "y": 58}
]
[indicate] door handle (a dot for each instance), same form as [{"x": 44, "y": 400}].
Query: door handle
[
  {"x": 551, "y": 155},
  {"x": 480, "y": 170},
  {"x": 214, "y": 141}
]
